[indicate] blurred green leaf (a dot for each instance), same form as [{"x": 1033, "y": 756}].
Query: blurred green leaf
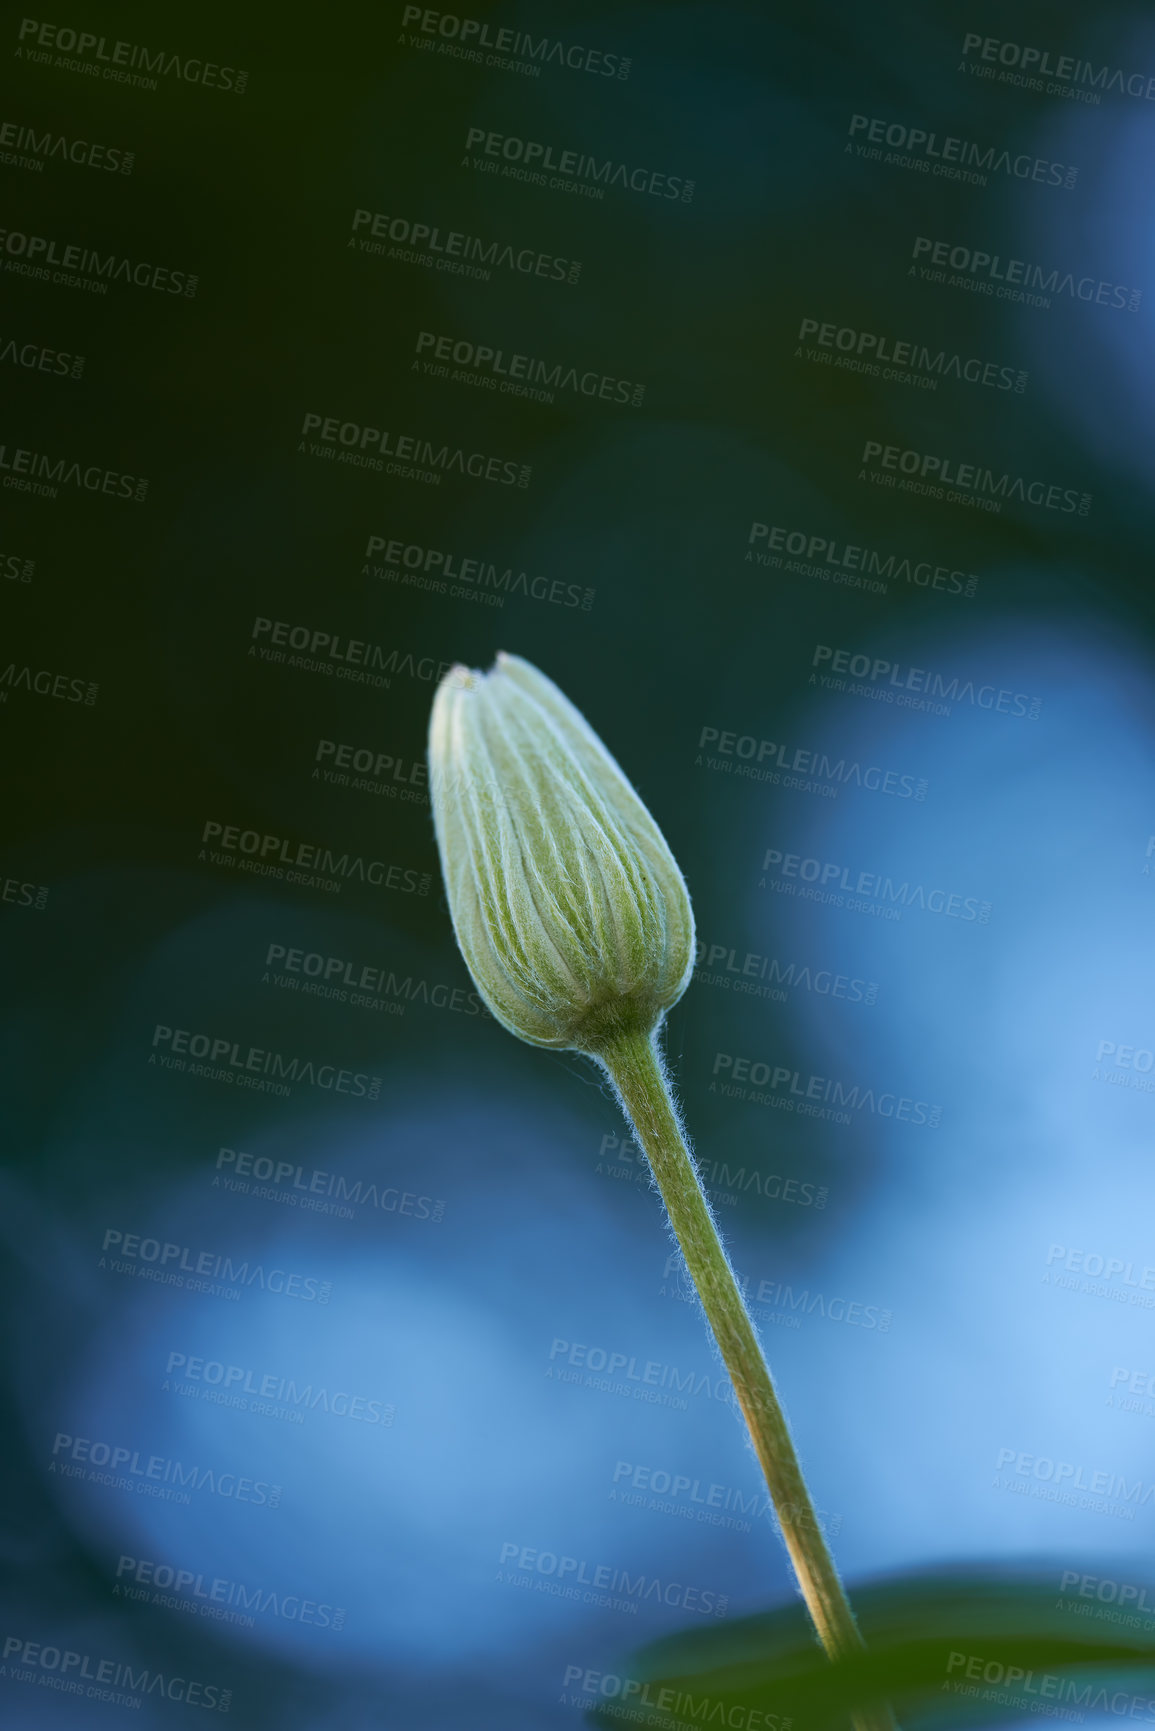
[{"x": 945, "y": 1649}]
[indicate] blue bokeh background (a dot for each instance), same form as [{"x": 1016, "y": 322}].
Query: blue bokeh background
[{"x": 958, "y": 1314}]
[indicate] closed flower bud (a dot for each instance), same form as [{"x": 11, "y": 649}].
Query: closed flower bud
[{"x": 568, "y": 906}]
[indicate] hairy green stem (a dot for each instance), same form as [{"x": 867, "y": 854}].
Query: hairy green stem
[{"x": 634, "y": 1065}]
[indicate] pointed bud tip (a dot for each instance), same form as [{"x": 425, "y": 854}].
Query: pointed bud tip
[{"x": 460, "y": 677}]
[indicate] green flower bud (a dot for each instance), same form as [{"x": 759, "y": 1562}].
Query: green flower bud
[{"x": 568, "y": 906}]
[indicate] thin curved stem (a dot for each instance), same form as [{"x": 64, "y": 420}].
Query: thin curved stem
[{"x": 634, "y": 1065}]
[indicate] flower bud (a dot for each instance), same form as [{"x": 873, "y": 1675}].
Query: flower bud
[{"x": 568, "y": 906}]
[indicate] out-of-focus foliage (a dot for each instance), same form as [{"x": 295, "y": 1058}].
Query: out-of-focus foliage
[{"x": 946, "y": 1649}]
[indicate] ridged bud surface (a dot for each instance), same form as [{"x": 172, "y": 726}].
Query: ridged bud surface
[{"x": 568, "y": 906}]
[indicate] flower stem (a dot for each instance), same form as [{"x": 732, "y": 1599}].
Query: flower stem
[{"x": 634, "y": 1065}]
